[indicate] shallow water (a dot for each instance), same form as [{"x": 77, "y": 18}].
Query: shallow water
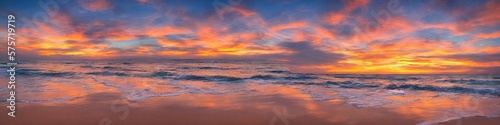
[{"x": 435, "y": 98}]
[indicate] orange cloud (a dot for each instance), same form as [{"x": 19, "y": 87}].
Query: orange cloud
[
  {"x": 165, "y": 30},
  {"x": 390, "y": 48},
  {"x": 489, "y": 35},
  {"x": 297, "y": 24},
  {"x": 95, "y": 5},
  {"x": 354, "y": 4},
  {"x": 335, "y": 18}
]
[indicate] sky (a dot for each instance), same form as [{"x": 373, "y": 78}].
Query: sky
[{"x": 330, "y": 36}]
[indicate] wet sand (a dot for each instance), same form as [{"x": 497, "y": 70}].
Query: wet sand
[
  {"x": 257, "y": 110},
  {"x": 474, "y": 121},
  {"x": 111, "y": 108}
]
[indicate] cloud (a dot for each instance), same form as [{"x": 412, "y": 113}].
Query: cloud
[
  {"x": 495, "y": 57},
  {"x": 489, "y": 35},
  {"x": 95, "y": 5},
  {"x": 335, "y": 36},
  {"x": 303, "y": 53}
]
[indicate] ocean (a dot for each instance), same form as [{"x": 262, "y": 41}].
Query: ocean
[{"x": 435, "y": 97}]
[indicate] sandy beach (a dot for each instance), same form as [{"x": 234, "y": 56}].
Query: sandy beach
[
  {"x": 100, "y": 109},
  {"x": 251, "y": 110}
]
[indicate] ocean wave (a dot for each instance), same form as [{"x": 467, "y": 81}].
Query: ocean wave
[
  {"x": 55, "y": 100},
  {"x": 353, "y": 85},
  {"x": 208, "y": 68},
  {"x": 37, "y": 72},
  {"x": 209, "y": 78},
  {"x": 264, "y": 77},
  {"x": 110, "y": 68},
  {"x": 278, "y": 71},
  {"x": 272, "y": 77},
  {"x": 87, "y": 66},
  {"x": 4, "y": 67},
  {"x": 358, "y": 85},
  {"x": 26, "y": 71},
  {"x": 162, "y": 74},
  {"x": 306, "y": 83},
  {"x": 107, "y": 73},
  {"x": 300, "y": 77},
  {"x": 70, "y": 63},
  {"x": 134, "y": 95},
  {"x": 454, "y": 89},
  {"x": 369, "y": 98},
  {"x": 471, "y": 82}
]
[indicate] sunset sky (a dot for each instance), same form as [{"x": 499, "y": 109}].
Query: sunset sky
[{"x": 344, "y": 36}]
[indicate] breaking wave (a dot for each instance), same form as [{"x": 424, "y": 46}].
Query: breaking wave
[{"x": 453, "y": 89}]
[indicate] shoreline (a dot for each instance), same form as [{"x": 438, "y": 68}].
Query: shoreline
[
  {"x": 248, "y": 110},
  {"x": 260, "y": 106},
  {"x": 475, "y": 120}
]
